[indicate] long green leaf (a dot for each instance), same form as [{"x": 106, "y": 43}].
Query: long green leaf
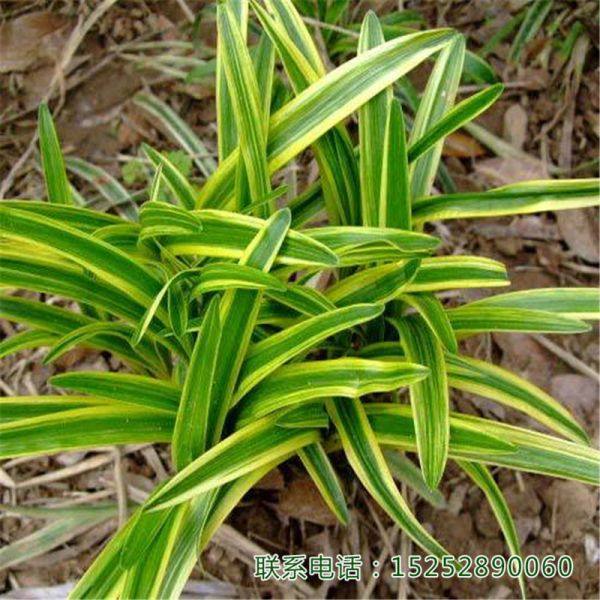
[
  {"x": 144, "y": 577},
  {"x": 308, "y": 416},
  {"x": 319, "y": 467},
  {"x": 215, "y": 276},
  {"x": 304, "y": 381},
  {"x": 123, "y": 387},
  {"x": 227, "y": 235},
  {"x": 238, "y": 314},
  {"x": 13, "y": 408},
  {"x": 55, "y": 175},
  {"x": 303, "y": 65},
  {"x": 462, "y": 113},
  {"x": 264, "y": 66},
  {"x": 210, "y": 278},
  {"x": 372, "y": 118},
  {"x": 291, "y": 21},
  {"x": 23, "y": 340},
  {"x": 53, "y": 275},
  {"x": 245, "y": 450},
  {"x": 515, "y": 199},
  {"x": 159, "y": 219},
  {"x": 305, "y": 300},
  {"x": 484, "y": 480},
  {"x": 186, "y": 552},
  {"x": 437, "y": 99},
  {"x": 62, "y": 322},
  {"x": 190, "y": 435},
  {"x": 350, "y": 239},
  {"x": 485, "y": 441},
  {"x": 395, "y": 199},
  {"x": 377, "y": 284},
  {"x": 456, "y": 272},
  {"x": 108, "y": 263},
  {"x": 343, "y": 90},
  {"x": 42, "y": 316},
  {"x": 467, "y": 320},
  {"x": 227, "y": 131},
  {"x": 85, "y": 428},
  {"x": 247, "y": 108},
  {"x": 144, "y": 528},
  {"x": 429, "y": 398},
  {"x": 578, "y": 303},
  {"x": 144, "y": 354},
  {"x": 479, "y": 377},
  {"x": 80, "y": 218}
]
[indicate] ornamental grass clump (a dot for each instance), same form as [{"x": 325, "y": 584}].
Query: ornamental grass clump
[{"x": 251, "y": 336}]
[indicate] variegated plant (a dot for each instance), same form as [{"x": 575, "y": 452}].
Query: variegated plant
[{"x": 253, "y": 337}]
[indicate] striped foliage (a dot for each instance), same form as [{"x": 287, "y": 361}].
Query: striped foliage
[{"x": 251, "y": 337}]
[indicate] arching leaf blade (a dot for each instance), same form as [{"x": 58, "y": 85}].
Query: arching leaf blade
[
  {"x": 122, "y": 387},
  {"x": 454, "y": 119},
  {"x": 319, "y": 467},
  {"x": 436, "y": 100},
  {"x": 490, "y": 381},
  {"x": 245, "y": 450},
  {"x": 491, "y": 442},
  {"x": 578, "y": 303},
  {"x": 467, "y": 320},
  {"x": 345, "y": 377},
  {"x": 515, "y": 199},
  {"x": 366, "y": 458},
  {"x": 484, "y": 480},
  {"x": 434, "y": 314},
  {"x": 84, "y": 428}
]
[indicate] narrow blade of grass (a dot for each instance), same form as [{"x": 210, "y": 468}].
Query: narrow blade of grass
[
  {"x": 372, "y": 118},
  {"x": 55, "y": 174},
  {"x": 395, "y": 199},
  {"x": 429, "y": 398}
]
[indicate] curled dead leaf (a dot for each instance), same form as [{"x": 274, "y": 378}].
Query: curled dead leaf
[
  {"x": 579, "y": 229},
  {"x": 462, "y": 145},
  {"x": 515, "y": 125},
  {"x": 31, "y": 38}
]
